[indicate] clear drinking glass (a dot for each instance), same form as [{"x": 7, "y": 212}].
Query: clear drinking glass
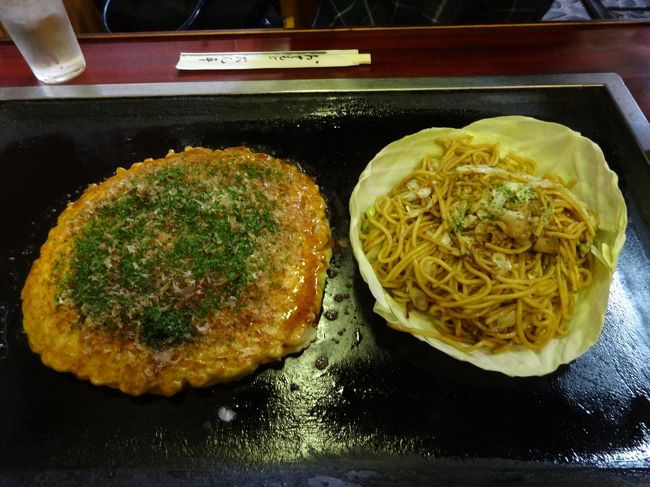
[{"x": 43, "y": 34}]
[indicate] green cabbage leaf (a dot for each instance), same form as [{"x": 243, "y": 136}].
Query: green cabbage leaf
[{"x": 556, "y": 149}]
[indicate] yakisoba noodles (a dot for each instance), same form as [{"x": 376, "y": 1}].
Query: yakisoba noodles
[{"x": 491, "y": 252}]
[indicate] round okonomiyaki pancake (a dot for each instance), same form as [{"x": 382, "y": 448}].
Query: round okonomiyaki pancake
[{"x": 192, "y": 269}]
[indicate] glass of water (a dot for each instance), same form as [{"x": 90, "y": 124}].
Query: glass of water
[{"x": 43, "y": 34}]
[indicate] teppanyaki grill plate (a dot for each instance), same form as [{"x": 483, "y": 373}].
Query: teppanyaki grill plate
[{"x": 363, "y": 404}]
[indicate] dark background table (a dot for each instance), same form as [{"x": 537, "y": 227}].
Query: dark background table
[{"x": 544, "y": 48}]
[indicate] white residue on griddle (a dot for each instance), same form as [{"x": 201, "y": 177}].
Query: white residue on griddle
[{"x": 226, "y": 414}]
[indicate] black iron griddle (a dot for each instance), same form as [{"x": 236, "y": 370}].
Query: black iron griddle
[{"x": 363, "y": 405}]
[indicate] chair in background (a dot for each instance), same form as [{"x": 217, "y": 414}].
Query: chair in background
[
  {"x": 178, "y": 15},
  {"x": 599, "y": 9},
  {"x": 298, "y": 14}
]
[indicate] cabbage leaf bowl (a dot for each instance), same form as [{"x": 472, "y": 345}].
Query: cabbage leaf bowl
[{"x": 557, "y": 150}]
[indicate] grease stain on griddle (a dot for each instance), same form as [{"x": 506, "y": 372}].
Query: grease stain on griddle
[
  {"x": 331, "y": 273},
  {"x": 331, "y": 314},
  {"x": 357, "y": 337},
  {"x": 4, "y": 324},
  {"x": 321, "y": 362}
]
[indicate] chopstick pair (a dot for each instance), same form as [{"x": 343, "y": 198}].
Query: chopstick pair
[{"x": 271, "y": 59}]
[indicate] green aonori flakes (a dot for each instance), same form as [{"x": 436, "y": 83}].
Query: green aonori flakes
[{"x": 178, "y": 243}]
